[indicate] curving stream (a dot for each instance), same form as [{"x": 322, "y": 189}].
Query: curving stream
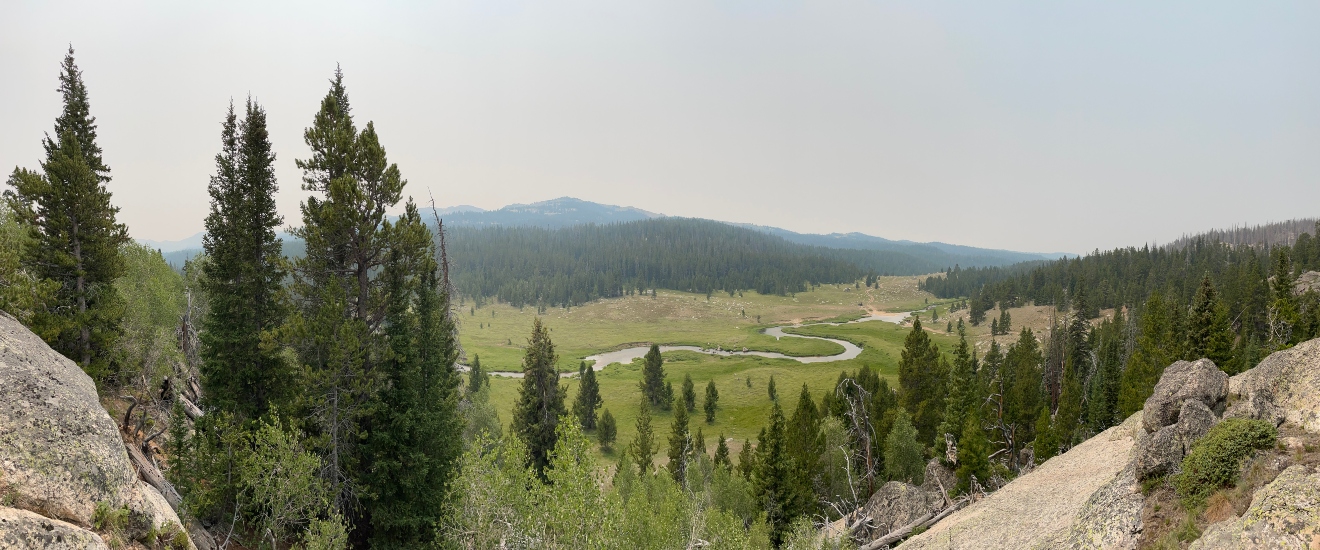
[{"x": 627, "y": 355}]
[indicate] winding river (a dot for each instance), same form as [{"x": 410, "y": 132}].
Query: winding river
[{"x": 627, "y": 355}]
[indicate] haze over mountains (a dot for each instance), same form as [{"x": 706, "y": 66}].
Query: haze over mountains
[{"x": 569, "y": 212}]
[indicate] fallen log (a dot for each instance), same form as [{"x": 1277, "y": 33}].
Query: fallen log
[
  {"x": 905, "y": 531},
  {"x": 151, "y": 474},
  {"x": 193, "y": 411}
]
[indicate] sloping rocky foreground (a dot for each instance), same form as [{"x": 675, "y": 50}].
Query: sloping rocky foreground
[
  {"x": 61, "y": 454},
  {"x": 1090, "y": 496}
]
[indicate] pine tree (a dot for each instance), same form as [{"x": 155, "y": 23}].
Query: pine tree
[
  {"x": 922, "y": 381},
  {"x": 699, "y": 442},
  {"x": 337, "y": 286},
  {"x": 643, "y": 444},
  {"x": 680, "y": 445},
  {"x": 74, "y": 238},
  {"x": 243, "y": 371},
  {"x": 770, "y": 389},
  {"x": 540, "y": 400},
  {"x": 1102, "y": 401},
  {"x": 653, "y": 378},
  {"x": 722, "y": 454},
  {"x": 712, "y": 401},
  {"x": 689, "y": 393},
  {"x": 1022, "y": 399},
  {"x": 1208, "y": 333},
  {"x": 606, "y": 430},
  {"x": 588, "y": 399}
]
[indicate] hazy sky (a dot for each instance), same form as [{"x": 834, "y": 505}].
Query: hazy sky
[{"x": 1043, "y": 126}]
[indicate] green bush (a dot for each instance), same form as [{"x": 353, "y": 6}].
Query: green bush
[{"x": 1216, "y": 459}]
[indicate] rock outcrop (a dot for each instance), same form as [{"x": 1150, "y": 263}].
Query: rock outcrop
[
  {"x": 1283, "y": 514},
  {"x": 60, "y": 452},
  {"x": 1283, "y": 387},
  {"x": 1162, "y": 453},
  {"x": 24, "y": 529},
  {"x": 1307, "y": 282},
  {"x": 1084, "y": 498},
  {"x": 1182, "y": 381}
]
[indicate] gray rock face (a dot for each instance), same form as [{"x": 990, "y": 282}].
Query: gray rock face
[
  {"x": 938, "y": 479},
  {"x": 1200, "y": 380},
  {"x": 897, "y": 504},
  {"x": 1285, "y": 386},
  {"x": 60, "y": 453},
  {"x": 1307, "y": 282},
  {"x": 21, "y": 529},
  {"x": 1283, "y": 514},
  {"x": 1111, "y": 518},
  {"x": 1164, "y": 450}
]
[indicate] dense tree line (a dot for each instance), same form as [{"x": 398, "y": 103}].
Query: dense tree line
[{"x": 570, "y": 266}]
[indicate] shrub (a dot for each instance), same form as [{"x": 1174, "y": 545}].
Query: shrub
[{"x": 1216, "y": 459}]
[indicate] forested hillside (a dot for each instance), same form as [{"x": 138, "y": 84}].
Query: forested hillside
[{"x": 570, "y": 266}]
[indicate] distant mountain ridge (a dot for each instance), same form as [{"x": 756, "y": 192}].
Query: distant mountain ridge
[{"x": 566, "y": 212}]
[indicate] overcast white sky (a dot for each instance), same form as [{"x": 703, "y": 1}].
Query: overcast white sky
[{"x": 1041, "y": 126}]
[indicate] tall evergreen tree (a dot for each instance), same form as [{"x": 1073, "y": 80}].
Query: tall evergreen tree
[
  {"x": 588, "y": 399},
  {"x": 414, "y": 442},
  {"x": 1148, "y": 360},
  {"x": 922, "y": 376},
  {"x": 680, "y": 445},
  {"x": 689, "y": 393},
  {"x": 606, "y": 430},
  {"x": 772, "y": 477},
  {"x": 963, "y": 395},
  {"x": 722, "y": 453},
  {"x": 699, "y": 443},
  {"x": 973, "y": 453},
  {"x": 1022, "y": 399},
  {"x": 805, "y": 446},
  {"x": 477, "y": 377},
  {"x": 540, "y": 400},
  {"x": 712, "y": 401},
  {"x": 1208, "y": 332},
  {"x": 75, "y": 239},
  {"x": 746, "y": 460},
  {"x": 642, "y": 448},
  {"x": 653, "y": 378},
  {"x": 242, "y": 368},
  {"x": 903, "y": 452},
  {"x": 770, "y": 389},
  {"x": 337, "y": 285}
]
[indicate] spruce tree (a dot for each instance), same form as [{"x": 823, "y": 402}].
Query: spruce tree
[
  {"x": 770, "y": 389},
  {"x": 1208, "y": 333},
  {"x": 243, "y": 371},
  {"x": 606, "y": 430},
  {"x": 680, "y": 445},
  {"x": 476, "y": 376},
  {"x": 414, "y": 442},
  {"x": 642, "y": 448},
  {"x": 772, "y": 478},
  {"x": 963, "y": 395},
  {"x": 746, "y": 460},
  {"x": 1148, "y": 360},
  {"x": 540, "y": 400},
  {"x": 922, "y": 375},
  {"x": 74, "y": 238},
  {"x": 722, "y": 453},
  {"x": 1046, "y": 444},
  {"x": 805, "y": 447},
  {"x": 689, "y": 393},
  {"x": 973, "y": 453},
  {"x": 653, "y": 378},
  {"x": 699, "y": 442},
  {"x": 588, "y": 399},
  {"x": 712, "y": 401},
  {"x": 1022, "y": 399}
]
